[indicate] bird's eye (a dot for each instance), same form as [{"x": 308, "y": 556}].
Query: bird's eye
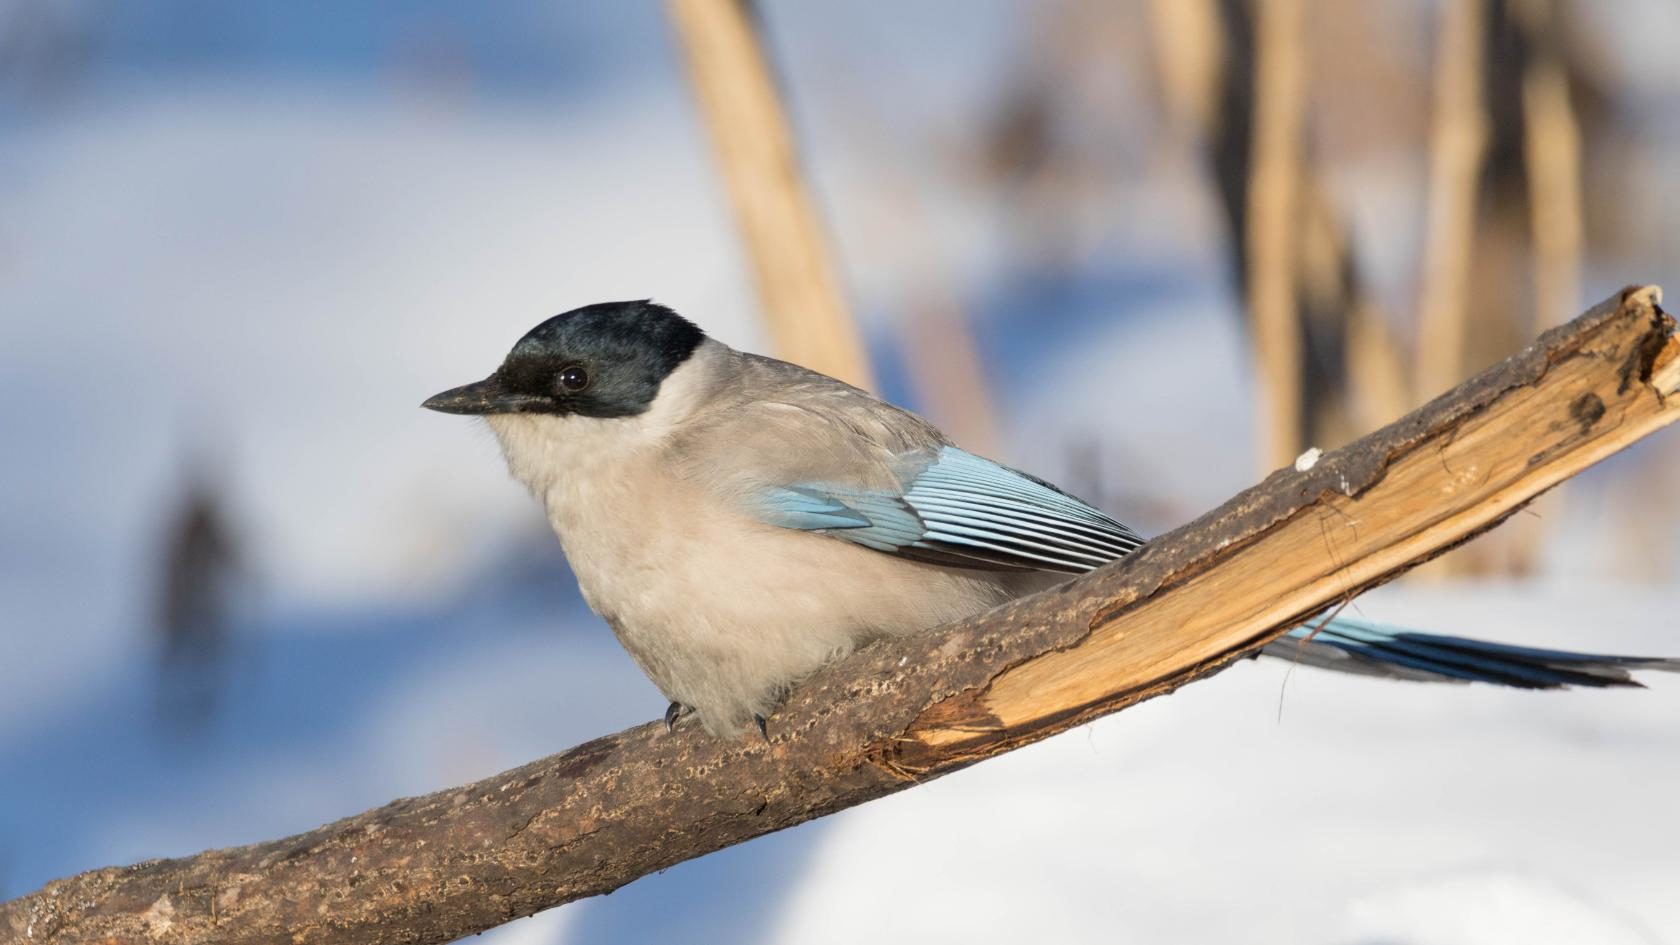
[{"x": 573, "y": 379}]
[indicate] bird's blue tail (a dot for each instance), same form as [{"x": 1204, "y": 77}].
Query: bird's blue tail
[{"x": 1353, "y": 645}]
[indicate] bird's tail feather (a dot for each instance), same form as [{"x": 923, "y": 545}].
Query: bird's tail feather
[{"x": 1352, "y": 645}]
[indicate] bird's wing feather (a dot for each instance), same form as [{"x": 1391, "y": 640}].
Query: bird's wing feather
[
  {"x": 1353, "y": 645},
  {"x": 822, "y": 457}
]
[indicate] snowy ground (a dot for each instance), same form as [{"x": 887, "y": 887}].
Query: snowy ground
[{"x": 272, "y": 274}]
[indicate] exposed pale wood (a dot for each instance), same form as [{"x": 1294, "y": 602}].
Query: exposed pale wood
[
  {"x": 1552, "y": 159},
  {"x": 804, "y": 306},
  {"x": 1665, "y": 372},
  {"x": 436, "y": 868},
  {"x": 1274, "y": 212},
  {"x": 1459, "y": 140},
  {"x": 1446, "y": 487}
]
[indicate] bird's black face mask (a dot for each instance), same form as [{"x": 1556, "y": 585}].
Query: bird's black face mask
[{"x": 605, "y": 360}]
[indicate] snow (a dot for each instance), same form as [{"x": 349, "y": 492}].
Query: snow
[{"x": 264, "y": 273}]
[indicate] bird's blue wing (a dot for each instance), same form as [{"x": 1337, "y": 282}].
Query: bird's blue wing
[
  {"x": 957, "y": 509},
  {"x": 963, "y": 511}
]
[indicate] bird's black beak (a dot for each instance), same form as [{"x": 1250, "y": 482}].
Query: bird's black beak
[{"x": 484, "y": 397}]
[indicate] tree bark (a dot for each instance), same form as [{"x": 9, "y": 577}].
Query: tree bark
[{"x": 582, "y": 823}]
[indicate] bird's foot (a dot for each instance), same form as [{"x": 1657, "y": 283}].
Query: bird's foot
[
  {"x": 763, "y": 730},
  {"x": 674, "y": 713}
]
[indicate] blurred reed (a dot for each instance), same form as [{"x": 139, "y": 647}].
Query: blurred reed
[
  {"x": 1457, "y": 150},
  {"x": 1272, "y": 230},
  {"x": 799, "y": 292},
  {"x": 198, "y": 569},
  {"x": 1234, "y": 84},
  {"x": 1279, "y": 98}
]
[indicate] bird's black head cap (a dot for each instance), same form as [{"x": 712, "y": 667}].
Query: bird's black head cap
[{"x": 603, "y": 360}]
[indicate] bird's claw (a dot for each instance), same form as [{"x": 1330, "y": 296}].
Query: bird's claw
[
  {"x": 763, "y": 730},
  {"x": 673, "y": 713}
]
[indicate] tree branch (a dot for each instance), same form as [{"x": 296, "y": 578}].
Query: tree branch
[{"x": 581, "y": 823}]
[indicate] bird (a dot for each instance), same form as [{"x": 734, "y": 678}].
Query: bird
[{"x": 739, "y": 521}]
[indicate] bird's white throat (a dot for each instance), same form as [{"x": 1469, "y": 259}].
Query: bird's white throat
[{"x": 544, "y": 451}]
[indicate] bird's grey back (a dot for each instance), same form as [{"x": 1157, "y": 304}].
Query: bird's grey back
[{"x": 779, "y": 422}]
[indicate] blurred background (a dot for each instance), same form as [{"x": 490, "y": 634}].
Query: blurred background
[{"x": 1148, "y": 249}]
